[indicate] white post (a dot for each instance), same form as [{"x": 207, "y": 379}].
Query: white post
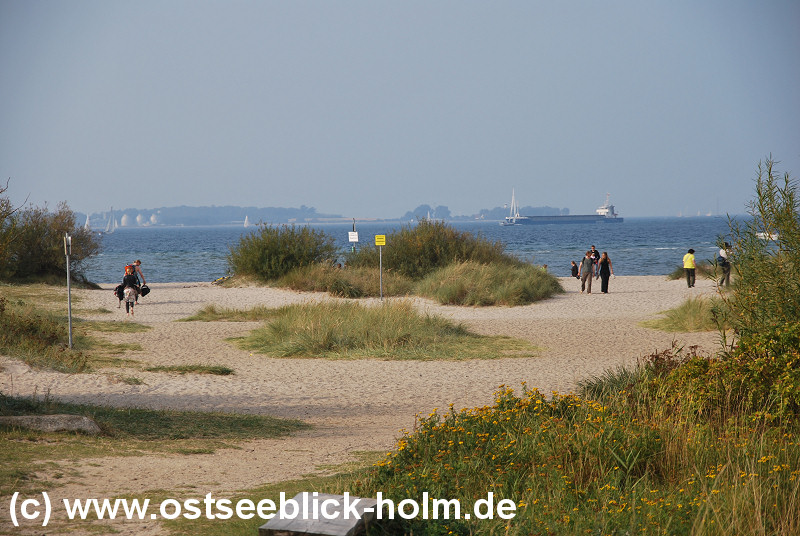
[
  {"x": 380, "y": 264},
  {"x": 67, "y": 251}
]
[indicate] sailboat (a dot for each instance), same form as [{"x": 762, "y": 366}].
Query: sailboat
[
  {"x": 511, "y": 219},
  {"x": 111, "y": 224},
  {"x": 246, "y": 221},
  {"x": 86, "y": 225}
]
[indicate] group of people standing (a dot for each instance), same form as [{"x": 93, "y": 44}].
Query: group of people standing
[
  {"x": 690, "y": 266},
  {"x": 593, "y": 266}
]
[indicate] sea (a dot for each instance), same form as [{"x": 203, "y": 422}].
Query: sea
[{"x": 637, "y": 246}]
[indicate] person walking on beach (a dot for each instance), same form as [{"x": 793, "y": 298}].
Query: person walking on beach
[
  {"x": 587, "y": 272},
  {"x": 689, "y": 267},
  {"x": 130, "y": 286},
  {"x": 606, "y": 271},
  {"x": 724, "y": 263},
  {"x": 137, "y": 267},
  {"x": 596, "y": 261}
]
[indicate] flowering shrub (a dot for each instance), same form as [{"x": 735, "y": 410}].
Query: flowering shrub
[{"x": 759, "y": 378}]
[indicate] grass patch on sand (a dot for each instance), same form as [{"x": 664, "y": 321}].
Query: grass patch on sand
[
  {"x": 350, "y": 282},
  {"x": 213, "y": 313},
  {"x": 39, "y": 295},
  {"x": 37, "y": 333},
  {"x": 472, "y": 283},
  {"x": 695, "y": 314},
  {"x": 126, "y": 432},
  {"x": 392, "y": 330},
  {"x": 193, "y": 369},
  {"x": 112, "y": 327}
]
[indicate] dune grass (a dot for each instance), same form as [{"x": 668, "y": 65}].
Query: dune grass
[
  {"x": 35, "y": 329},
  {"x": 392, "y": 330},
  {"x": 461, "y": 283},
  {"x": 216, "y": 370},
  {"x": 430, "y": 259},
  {"x": 111, "y": 327},
  {"x": 695, "y": 314},
  {"x": 471, "y": 283},
  {"x": 349, "y": 282},
  {"x": 213, "y": 313}
]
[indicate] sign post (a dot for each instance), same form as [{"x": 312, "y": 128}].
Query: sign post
[
  {"x": 380, "y": 241},
  {"x": 353, "y": 237},
  {"x": 67, "y": 252}
]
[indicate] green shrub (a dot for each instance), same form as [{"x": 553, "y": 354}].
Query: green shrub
[
  {"x": 273, "y": 251},
  {"x": 471, "y": 283},
  {"x": 417, "y": 250},
  {"x": 34, "y": 244},
  {"x": 765, "y": 256},
  {"x": 759, "y": 379}
]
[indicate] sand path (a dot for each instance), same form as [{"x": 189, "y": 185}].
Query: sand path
[{"x": 358, "y": 405}]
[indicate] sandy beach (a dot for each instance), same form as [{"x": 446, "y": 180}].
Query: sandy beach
[{"x": 353, "y": 405}]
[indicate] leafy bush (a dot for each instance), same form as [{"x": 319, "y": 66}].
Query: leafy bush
[
  {"x": 273, "y": 251},
  {"x": 579, "y": 466},
  {"x": 765, "y": 255},
  {"x": 471, "y": 283},
  {"x": 415, "y": 251},
  {"x": 7, "y": 224},
  {"x": 34, "y": 244},
  {"x": 759, "y": 379}
]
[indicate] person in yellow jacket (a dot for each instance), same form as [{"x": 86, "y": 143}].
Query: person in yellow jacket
[{"x": 689, "y": 267}]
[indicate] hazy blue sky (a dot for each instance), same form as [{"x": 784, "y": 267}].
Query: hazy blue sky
[{"x": 370, "y": 108}]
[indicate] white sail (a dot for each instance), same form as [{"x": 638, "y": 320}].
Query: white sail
[
  {"x": 86, "y": 225},
  {"x": 513, "y": 212},
  {"x": 246, "y": 221},
  {"x": 110, "y": 222}
]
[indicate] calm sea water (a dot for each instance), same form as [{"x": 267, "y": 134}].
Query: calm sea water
[{"x": 637, "y": 246}]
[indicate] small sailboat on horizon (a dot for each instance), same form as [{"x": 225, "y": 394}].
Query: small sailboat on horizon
[
  {"x": 513, "y": 212},
  {"x": 111, "y": 224},
  {"x": 246, "y": 221}
]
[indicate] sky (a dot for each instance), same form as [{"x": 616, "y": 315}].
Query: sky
[{"x": 370, "y": 108}]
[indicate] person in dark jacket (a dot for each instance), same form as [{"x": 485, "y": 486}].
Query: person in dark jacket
[
  {"x": 606, "y": 271},
  {"x": 130, "y": 289}
]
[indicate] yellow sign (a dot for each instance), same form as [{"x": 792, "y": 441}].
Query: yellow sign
[{"x": 380, "y": 239}]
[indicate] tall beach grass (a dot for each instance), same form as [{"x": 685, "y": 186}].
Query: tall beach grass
[
  {"x": 392, "y": 330},
  {"x": 472, "y": 283}
]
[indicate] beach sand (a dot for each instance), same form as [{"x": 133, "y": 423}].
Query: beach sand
[{"x": 353, "y": 405}]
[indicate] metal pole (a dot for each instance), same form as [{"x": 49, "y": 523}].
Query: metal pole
[
  {"x": 67, "y": 250},
  {"x": 380, "y": 263}
]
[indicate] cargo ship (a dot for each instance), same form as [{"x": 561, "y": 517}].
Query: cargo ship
[{"x": 606, "y": 213}]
